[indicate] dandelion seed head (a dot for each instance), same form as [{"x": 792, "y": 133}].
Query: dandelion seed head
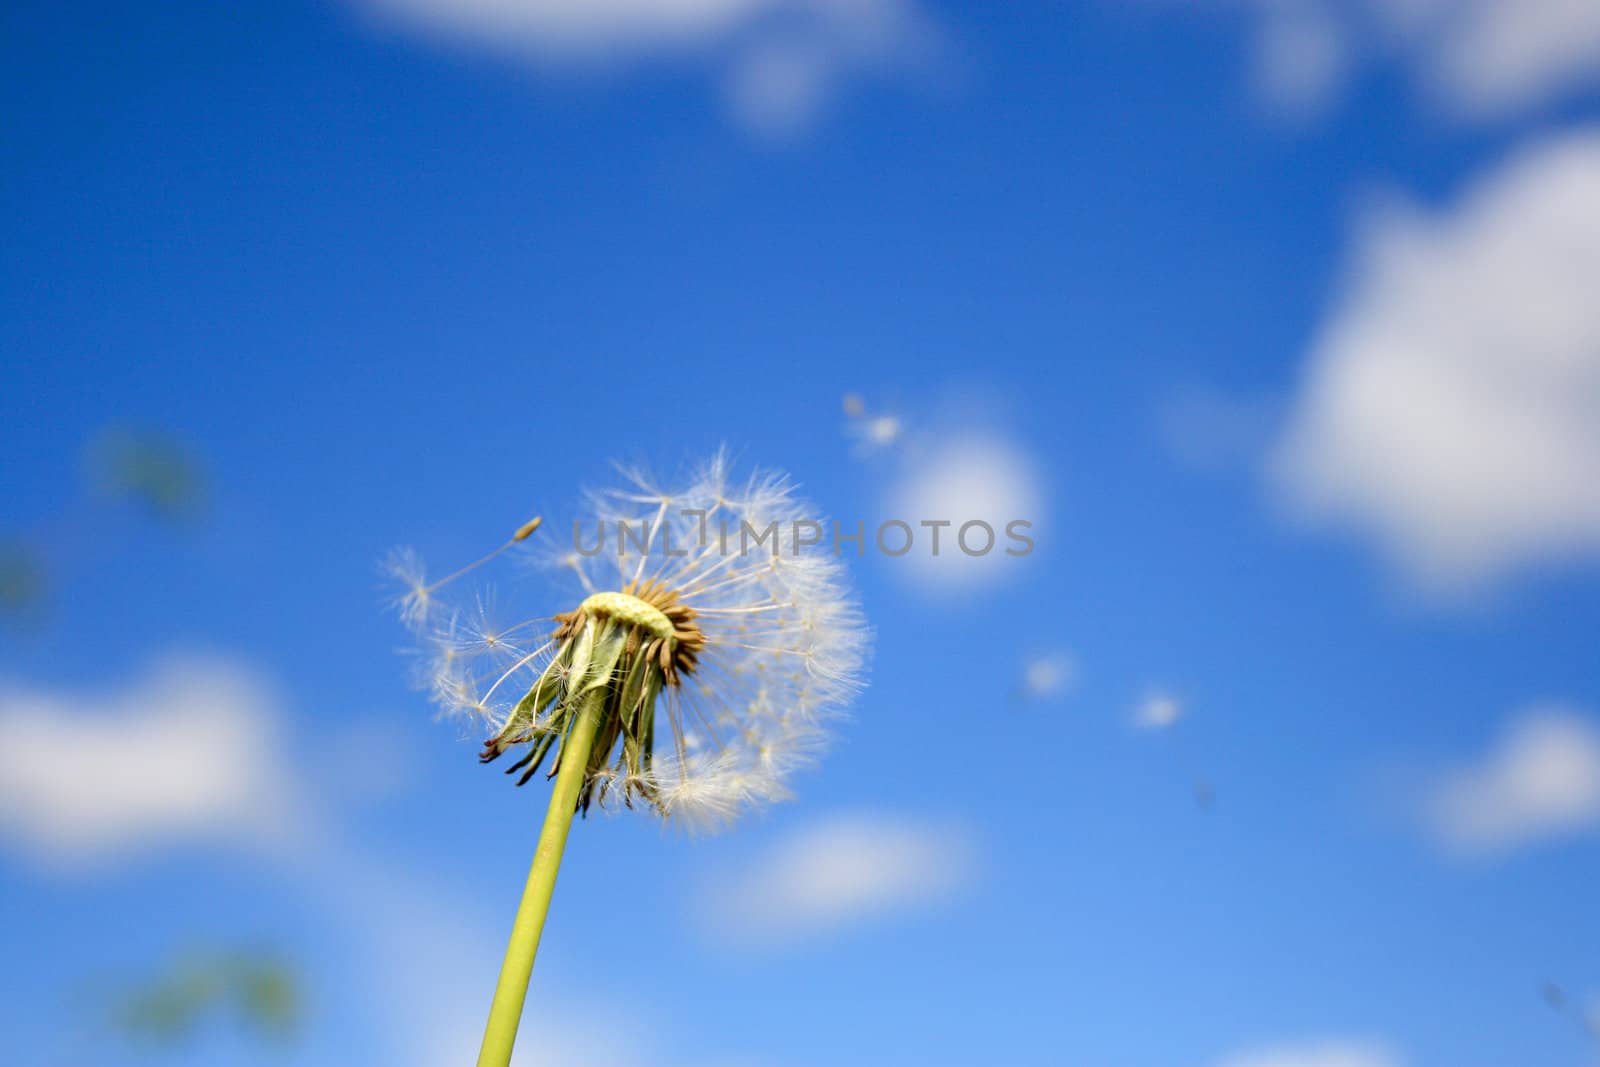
[{"x": 717, "y": 663}]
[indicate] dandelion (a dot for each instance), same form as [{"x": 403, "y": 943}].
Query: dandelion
[{"x": 708, "y": 645}]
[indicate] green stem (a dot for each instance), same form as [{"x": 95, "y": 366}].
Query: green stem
[{"x": 512, "y": 990}]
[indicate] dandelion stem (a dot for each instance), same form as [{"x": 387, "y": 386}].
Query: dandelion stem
[{"x": 512, "y": 990}]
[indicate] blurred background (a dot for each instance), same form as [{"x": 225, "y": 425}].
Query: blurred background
[{"x": 1277, "y": 318}]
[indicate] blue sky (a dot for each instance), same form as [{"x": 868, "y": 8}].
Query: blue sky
[{"x": 1273, "y": 318}]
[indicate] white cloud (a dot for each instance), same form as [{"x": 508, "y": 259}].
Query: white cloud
[
  {"x": 845, "y": 870},
  {"x": 1451, "y": 407},
  {"x": 777, "y": 88},
  {"x": 1540, "y": 781},
  {"x": 1477, "y": 59},
  {"x": 579, "y": 26},
  {"x": 1488, "y": 58},
  {"x": 1336, "y": 1053},
  {"x": 190, "y": 752},
  {"x": 1302, "y": 55},
  {"x": 782, "y": 60},
  {"x": 967, "y": 478},
  {"x": 1157, "y": 711}
]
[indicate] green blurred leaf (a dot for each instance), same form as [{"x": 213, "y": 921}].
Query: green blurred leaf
[
  {"x": 258, "y": 990},
  {"x": 268, "y": 997},
  {"x": 149, "y": 469},
  {"x": 22, "y": 581}
]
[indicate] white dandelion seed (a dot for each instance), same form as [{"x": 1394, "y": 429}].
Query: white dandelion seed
[
  {"x": 873, "y": 432},
  {"x": 881, "y": 431},
  {"x": 1047, "y": 676},
  {"x": 1157, "y": 711},
  {"x": 709, "y": 640},
  {"x": 415, "y": 604}
]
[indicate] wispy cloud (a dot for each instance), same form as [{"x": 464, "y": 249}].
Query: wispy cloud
[
  {"x": 971, "y": 477},
  {"x": 1301, "y": 54},
  {"x": 1317, "y": 1053},
  {"x": 842, "y": 871},
  {"x": 1540, "y": 780},
  {"x": 1451, "y": 406},
  {"x": 190, "y": 752},
  {"x": 781, "y": 61},
  {"x": 1490, "y": 58},
  {"x": 1472, "y": 59}
]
